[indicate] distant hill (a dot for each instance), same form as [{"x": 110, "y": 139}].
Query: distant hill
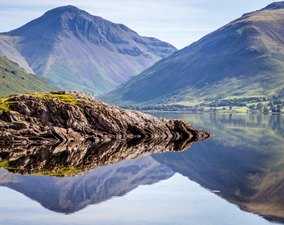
[
  {"x": 243, "y": 58},
  {"x": 14, "y": 79},
  {"x": 74, "y": 50}
]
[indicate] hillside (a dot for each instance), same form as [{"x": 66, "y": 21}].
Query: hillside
[
  {"x": 244, "y": 58},
  {"x": 14, "y": 79},
  {"x": 74, "y": 50}
]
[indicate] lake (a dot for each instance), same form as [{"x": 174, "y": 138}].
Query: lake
[{"x": 236, "y": 177}]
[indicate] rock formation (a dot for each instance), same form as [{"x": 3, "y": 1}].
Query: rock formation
[{"x": 75, "y": 116}]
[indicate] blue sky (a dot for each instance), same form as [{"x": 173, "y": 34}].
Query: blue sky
[{"x": 178, "y": 22}]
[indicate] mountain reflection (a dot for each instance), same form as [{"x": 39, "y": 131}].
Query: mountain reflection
[
  {"x": 71, "y": 194},
  {"x": 243, "y": 164},
  {"x": 86, "y": 173}
]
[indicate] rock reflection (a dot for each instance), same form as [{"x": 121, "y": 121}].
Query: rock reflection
[
  {"x": 85, "y": 173},
  {"x": 73, "y": 158}
]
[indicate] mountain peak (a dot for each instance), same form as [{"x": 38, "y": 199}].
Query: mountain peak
[
  {"x": 274, "y": 5},
  {"x": 85, "y": 38},
  {"x": 63, "y": 9}
]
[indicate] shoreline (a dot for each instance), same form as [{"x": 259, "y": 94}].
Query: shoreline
[{"x": 207, "y": 112}]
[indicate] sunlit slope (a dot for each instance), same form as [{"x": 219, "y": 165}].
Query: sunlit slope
[
  {"x": 243, "y": 58},
  {"x": 14, "y": 79},
  {"x": 74, "y": 50}
]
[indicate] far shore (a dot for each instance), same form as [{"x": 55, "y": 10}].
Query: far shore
[{"x": 209, "y": 112}]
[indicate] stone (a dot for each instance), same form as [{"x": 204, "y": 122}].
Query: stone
[{"x": 77, "y": 116}]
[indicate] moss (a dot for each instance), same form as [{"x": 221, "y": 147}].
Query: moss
[
  {"x": 6, "y": 106},
  {"x": 5, "y": 164},
  {"x": 60, "y": 97},
  {"x": 2, "y": 100},
  {"x": 59, "y": 173}
]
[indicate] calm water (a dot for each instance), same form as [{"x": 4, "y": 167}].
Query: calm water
[{"x": 237, "y": 177}]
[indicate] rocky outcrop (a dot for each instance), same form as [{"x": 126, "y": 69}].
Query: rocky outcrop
[
  {"x": 75, "y": 158},
  {"x": 75, "y": 116}
]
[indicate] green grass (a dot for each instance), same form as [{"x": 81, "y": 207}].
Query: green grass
[
  {"x": 69, "y": 80},
  {"x": 14, "y": 80}
]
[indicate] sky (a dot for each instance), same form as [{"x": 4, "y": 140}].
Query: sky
[{"x": 178, "y": 22}]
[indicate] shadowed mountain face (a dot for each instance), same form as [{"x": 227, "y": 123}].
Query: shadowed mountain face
[
  {"x": 243, "y": 58},
  {"x": 74, "y": 50},
  {"x": 243, "y": 163},
  {"x": 71, "y": 194}
]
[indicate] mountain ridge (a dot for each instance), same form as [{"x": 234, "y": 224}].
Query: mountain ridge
[
  {"x": 75, "y": 50},
  {"x": 242, "y": 58}
]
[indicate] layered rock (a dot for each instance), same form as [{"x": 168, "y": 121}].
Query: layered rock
[{"x": 75, "y": 116}]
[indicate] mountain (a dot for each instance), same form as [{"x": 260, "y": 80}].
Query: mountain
[
  {"x": 243, "y": 58},
  {"x": 14, "y": 79},
  {"x": 74, "y": 50}
]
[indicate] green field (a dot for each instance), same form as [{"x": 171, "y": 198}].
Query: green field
[{"x": 14, "y": 79}]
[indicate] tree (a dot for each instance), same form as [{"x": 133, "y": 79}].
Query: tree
[
  {"x": 278, "y": 108},
  {"x": 270, "y": 103},
  {"x": 252, "y": 107},
  {"x": 273, "y": 108},
  {"x": 259, "y": 107},
  {"x": 265, "y": 109}
]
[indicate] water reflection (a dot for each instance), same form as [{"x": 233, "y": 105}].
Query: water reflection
[
  {"x": 244, "y": 164},
  {"x": 73, "y": 158},
  {"x": 71, "y": 194},
  {"x": 93, "y": 172}
]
